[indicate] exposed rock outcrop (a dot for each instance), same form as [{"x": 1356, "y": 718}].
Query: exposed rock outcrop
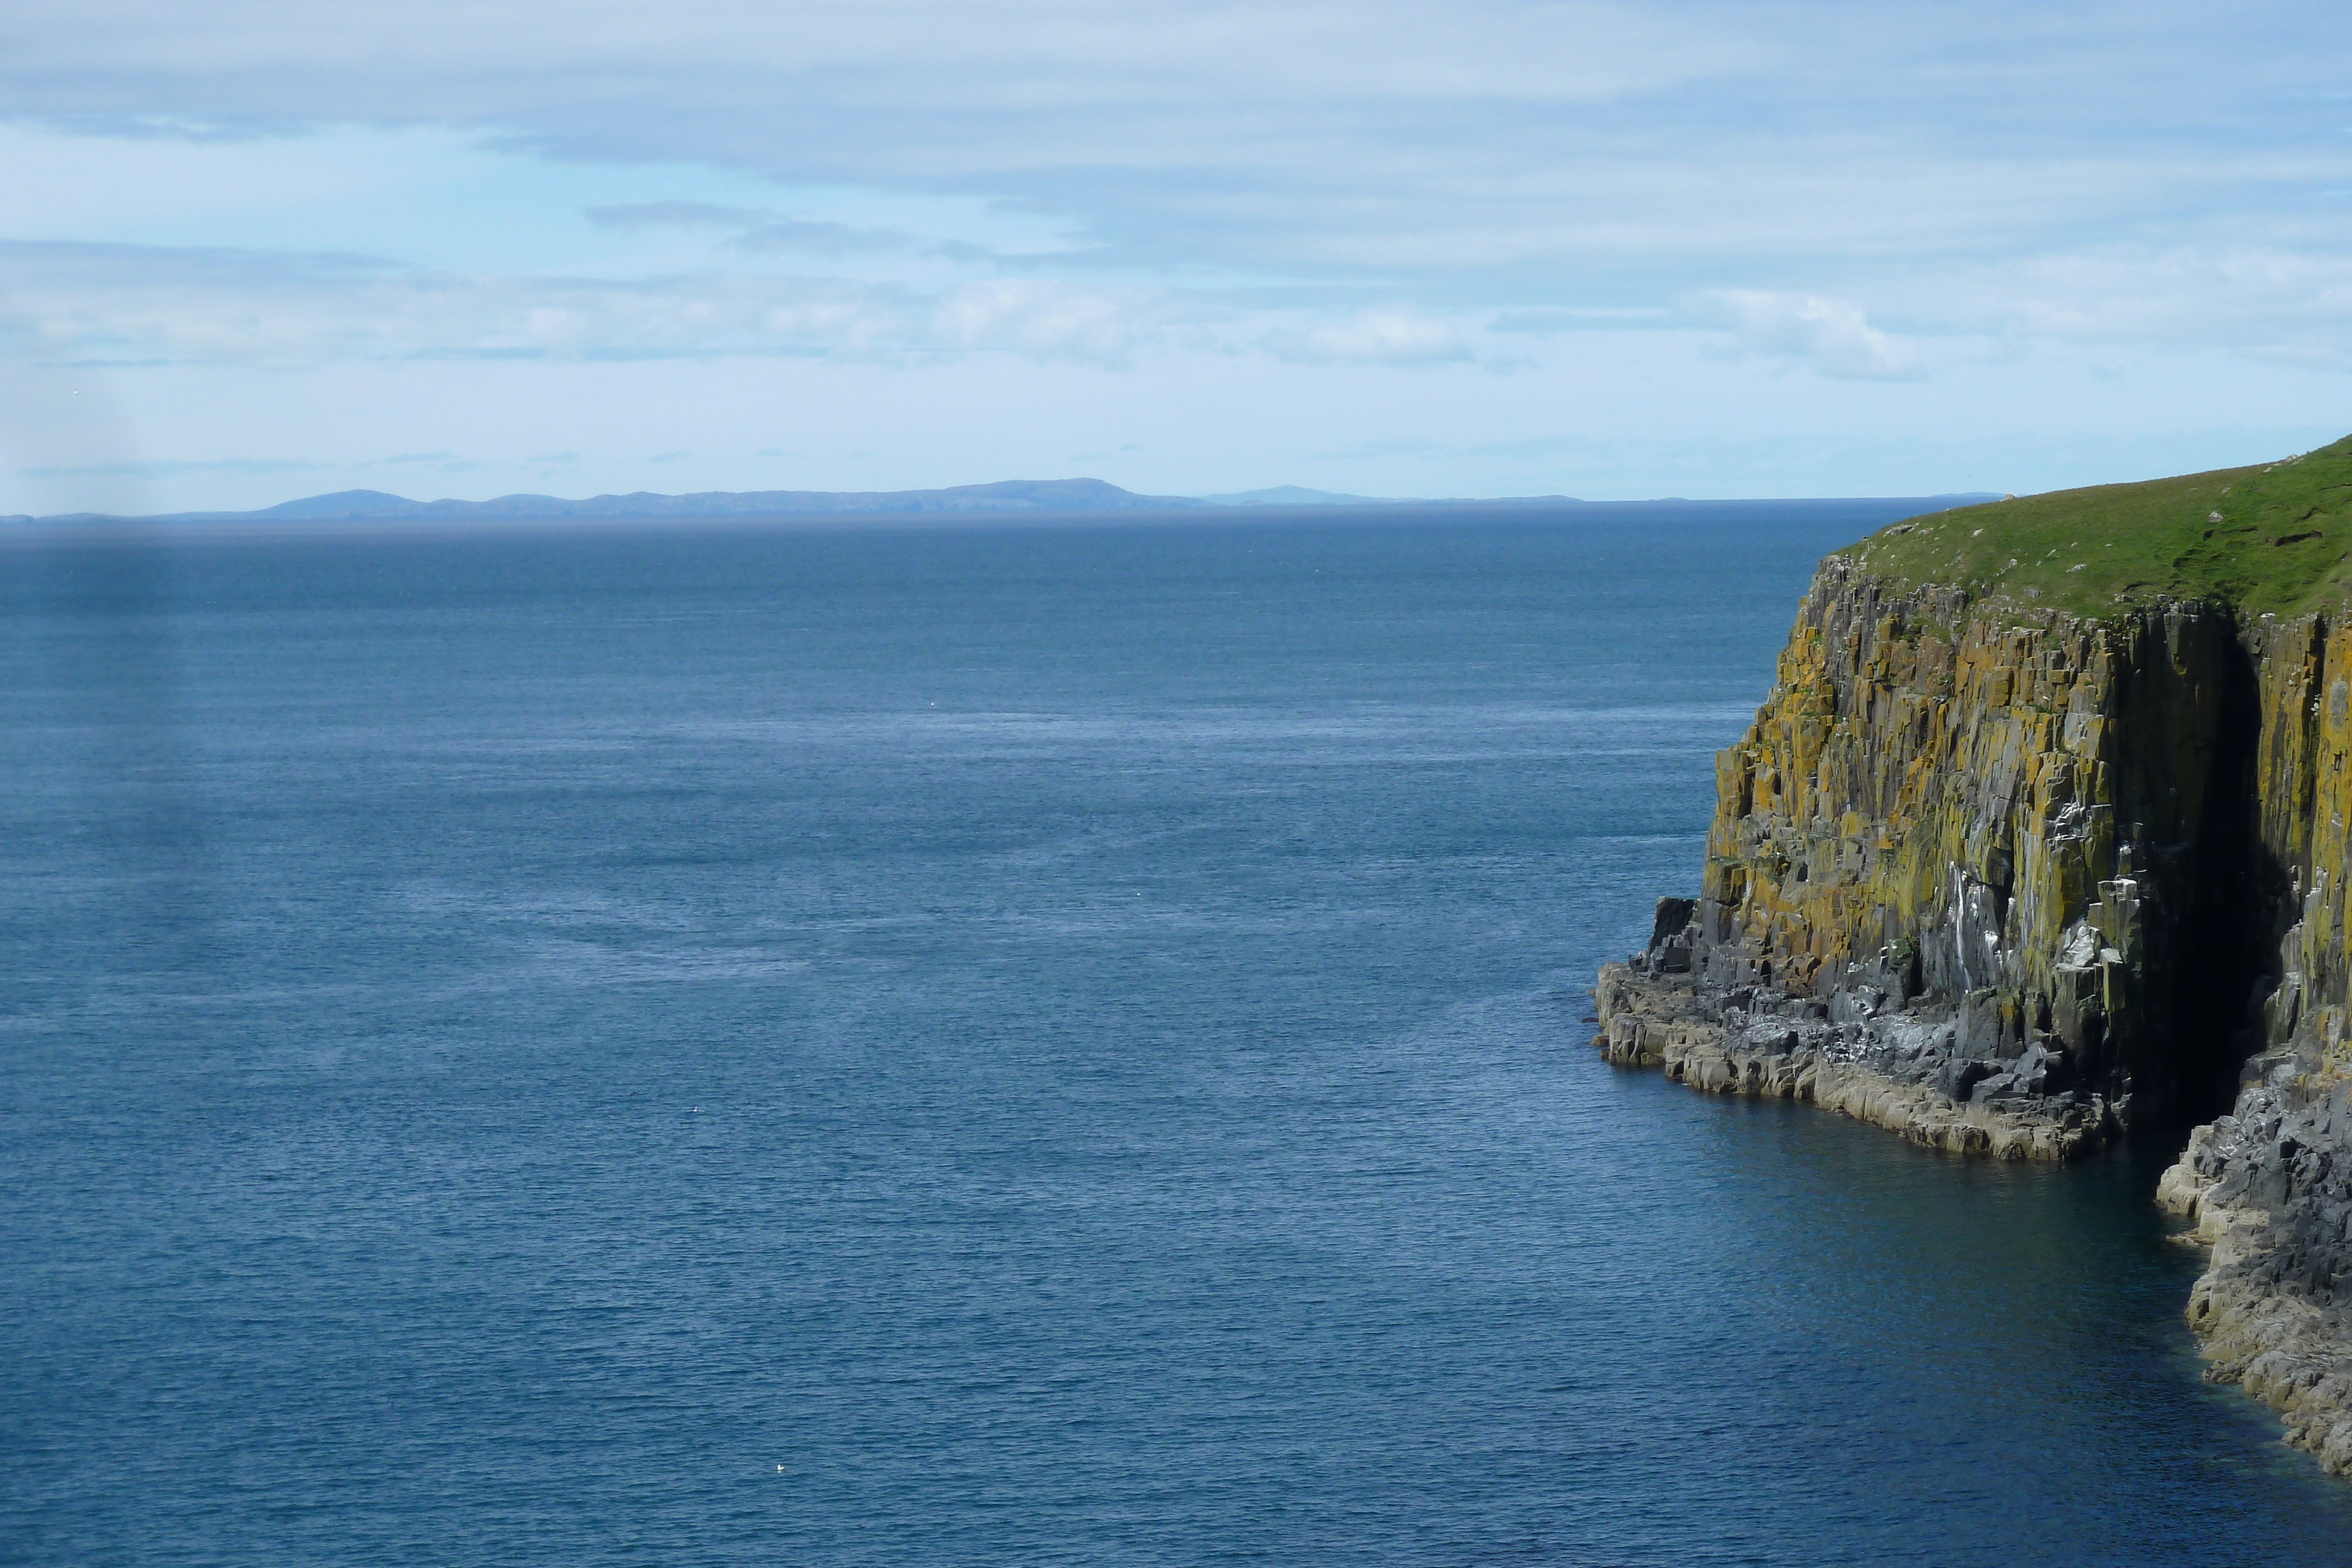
[
  {"x": 2270, "y": 1191},
  {"x": 1887, "y": 1071},
  {"x": 1970, "y": 878},
  {"x": 2014, "y": 880}
]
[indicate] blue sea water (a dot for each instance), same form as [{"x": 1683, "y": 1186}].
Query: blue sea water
[{"x": 1005, "y": 1045}]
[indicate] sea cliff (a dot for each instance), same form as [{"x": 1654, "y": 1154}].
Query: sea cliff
[{"x": 2040, "y": 840}]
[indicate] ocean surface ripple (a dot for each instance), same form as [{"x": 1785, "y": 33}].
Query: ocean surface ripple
[{"x": 983, "y": 1045}]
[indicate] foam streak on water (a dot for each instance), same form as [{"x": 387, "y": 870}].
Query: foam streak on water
[{"x": 985, "y": 1046}]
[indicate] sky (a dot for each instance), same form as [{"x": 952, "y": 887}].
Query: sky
[{"x": 256, "y": 249}]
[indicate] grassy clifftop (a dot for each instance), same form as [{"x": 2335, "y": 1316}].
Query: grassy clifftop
[{"x": 2272, "y": 539}]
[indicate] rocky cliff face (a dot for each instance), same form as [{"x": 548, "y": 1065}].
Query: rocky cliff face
[
  {"x": 2017, "y": 881},
  {"x": 2269, "y": 1185},
  {"x": 1999, "y": 861}
]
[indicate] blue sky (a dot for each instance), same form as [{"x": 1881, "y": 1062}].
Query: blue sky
[{"x": 255, "y": 249}]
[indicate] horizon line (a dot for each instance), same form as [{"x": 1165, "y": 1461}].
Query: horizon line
[{"x": 1000, "y": 499}]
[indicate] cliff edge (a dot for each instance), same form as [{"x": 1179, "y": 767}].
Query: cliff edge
[{"x": 2041, "y": 839}]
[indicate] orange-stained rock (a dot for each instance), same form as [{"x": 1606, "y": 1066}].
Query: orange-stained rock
[{"x": 2009, "y": 881}]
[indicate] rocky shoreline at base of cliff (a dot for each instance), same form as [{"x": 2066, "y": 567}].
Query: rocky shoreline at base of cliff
[
  {"x": 1961, "y": 1077},
  {"x": 2017, "y": 881},
  {"x": 2269, "y": 1188}
]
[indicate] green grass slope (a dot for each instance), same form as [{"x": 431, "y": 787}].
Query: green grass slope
[{"x": 2275, "y": 538}]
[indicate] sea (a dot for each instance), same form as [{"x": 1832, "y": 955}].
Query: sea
[{"x": 984, "y": 1044}]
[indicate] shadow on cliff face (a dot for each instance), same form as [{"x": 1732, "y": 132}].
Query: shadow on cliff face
[
  {"x": 2042, "y": 869},
  {"x": 2188, "y": 800}
]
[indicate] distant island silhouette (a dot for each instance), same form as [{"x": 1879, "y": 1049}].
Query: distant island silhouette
[{"x": 1003, "y": 497}]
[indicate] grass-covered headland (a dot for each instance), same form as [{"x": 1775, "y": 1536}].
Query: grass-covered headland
[{"x": 2275, "y": 538}]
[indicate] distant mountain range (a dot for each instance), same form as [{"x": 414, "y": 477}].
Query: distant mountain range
[
  {"x": 1005, "y": 497},
  {"x": 1011, "y": 496}
]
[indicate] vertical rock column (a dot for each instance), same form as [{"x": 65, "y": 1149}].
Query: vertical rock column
[{"x": 2001, "y": 819}]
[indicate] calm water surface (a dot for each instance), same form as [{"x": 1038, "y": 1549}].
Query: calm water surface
[{"x": 984, "y": 1046}]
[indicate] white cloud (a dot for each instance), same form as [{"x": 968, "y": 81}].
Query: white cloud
[
  {"x": 1584, "y": 192},
  {"x": 2271, "y": 303},
  {"x": 1052, "y": 321},
  {"x": 285, "y": 58},
  {"x": 63, "y": 303},
  {"x": 1376, "y": 337},
  {"x": 1831, "y": 337},
  {"x": 1537, "y": 152}
]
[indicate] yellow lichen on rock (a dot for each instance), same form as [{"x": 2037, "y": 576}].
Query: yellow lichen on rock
[
  {"x": 1931, "y": 787},
  {"x": 2005, "y": 881},
  {"x": 2010, "y": 867}
]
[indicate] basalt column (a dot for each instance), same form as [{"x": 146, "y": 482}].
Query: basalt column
[{"x": 1994, "y": 871}]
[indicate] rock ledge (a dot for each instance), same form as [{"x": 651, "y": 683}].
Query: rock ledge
[
  {"x": 1895, "y": 1062},
  {"x": 2271, "y": 1197}
]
